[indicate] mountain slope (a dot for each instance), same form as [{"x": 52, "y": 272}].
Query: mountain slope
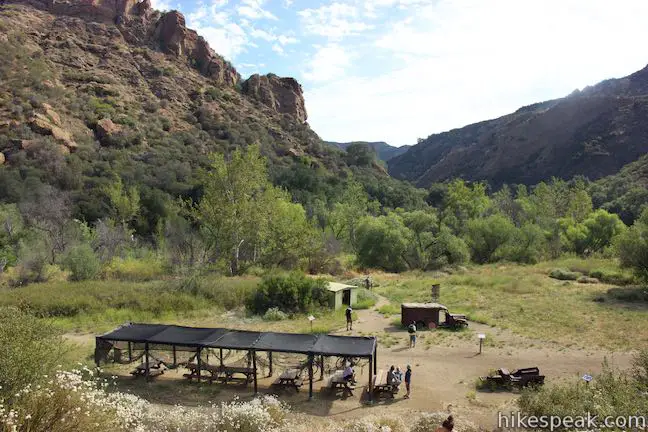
[
  {"x": 91, "y": 91},
  {"x": 593, "y": 133},
  {"x": 383, "y": 150}
]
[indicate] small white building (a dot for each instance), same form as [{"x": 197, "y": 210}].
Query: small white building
[{"x": 342, "y": 294}]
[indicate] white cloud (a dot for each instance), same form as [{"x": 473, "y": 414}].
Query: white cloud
[
  {"x": 278, "y": 49},
  {"x": 161, "y": 5},
  {"x": 224, "y": 36},
  {"x": 455, "y": 62},
  {"x": 334, "y": 21},
  {"x": 253, "y": 9},
  {"x": 288, "y": 3},
  {"x": 328, "y": 63},
  {"x": 286, "y": 40}
]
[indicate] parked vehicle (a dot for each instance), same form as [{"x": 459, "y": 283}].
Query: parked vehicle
[
  {"x": 430, "y": 315},
  {"x": 520, "y": 378}
]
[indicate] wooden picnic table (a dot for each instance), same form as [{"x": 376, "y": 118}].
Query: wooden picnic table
[
  {"x": 337, "y": 382},
  {"x": 155, "y": 369},
  {"x": 289, "y": 379},
  {"x": 222, "y": 373},
  {"x": 381, "y": 386}
]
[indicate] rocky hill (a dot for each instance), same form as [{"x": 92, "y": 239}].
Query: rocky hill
[
  {"x": 593, "y": 133},
  {"x": 91, "y": 90},
  {"x": 383, "y": 150}
]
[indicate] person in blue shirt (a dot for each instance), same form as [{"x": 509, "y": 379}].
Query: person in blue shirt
[{"x": 408, "y": 380}]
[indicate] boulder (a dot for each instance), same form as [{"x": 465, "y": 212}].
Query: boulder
[
  {"x": 53, "y": 115},
  {"x": 42, "y": 125},
  {"x": 283, "y": 95},
  {"x": 105, "y": 129},
  {"x": 2, "y": 158}
]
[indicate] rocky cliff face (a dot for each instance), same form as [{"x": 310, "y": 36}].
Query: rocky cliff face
[
  {"x": 283, "y": 95},
  {"x": 139, "y": 24}
]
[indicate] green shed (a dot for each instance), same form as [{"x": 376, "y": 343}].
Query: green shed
[{"x": 342, "y": 295}]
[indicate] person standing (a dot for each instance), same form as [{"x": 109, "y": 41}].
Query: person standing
[
  {"x": 412, "y": 333},
  {"x": 408, "y": 381},
  {"x": 349, "y": 318}
]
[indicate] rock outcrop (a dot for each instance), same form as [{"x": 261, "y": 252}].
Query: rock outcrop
[
  {"x": 175, "y": 38},
  {"x": 140, "y": 24},
  {"x": 49, "y": 124},
  {"x": 105, "y": 130},
  {"x": 283, "y": 95}
]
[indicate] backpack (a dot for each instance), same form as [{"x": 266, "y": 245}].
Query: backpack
[{"x": 411, "y": 329}]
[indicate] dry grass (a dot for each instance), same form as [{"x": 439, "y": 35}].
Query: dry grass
[{"x": 526, "y": 301}]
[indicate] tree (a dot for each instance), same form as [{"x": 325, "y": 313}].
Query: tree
[
  {"x": 289, "y": 235},
  {"x": 360, "y": 154},
  {"x": 527, "y": 245},
  {"x": 347, "y": 213},
  {"x": 235, "y": 208},
  {"x": 486, "y": 237},
  {"x": 463, "y": 202},
  {"x": 11, "y": 232},
  {"x": 633, "y": 246},
  {"x": 124, "y": 205},
  {"x": 593, "y": 234},
  {"x": 383, "y": 242}
]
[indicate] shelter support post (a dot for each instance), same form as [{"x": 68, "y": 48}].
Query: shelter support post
[
  {"x": 270, "y": 363},
  {"x": 310, "y": 377},
  {"x": 174, "y": 356},
  {"x": 198, "y": 359},
  {"x": 255, "y": 371},
  {"x": 221, "y": 357},
  {"x": 146, "y": 360},
  {"x": 372, "y": 365},
  {"x": 207, "y": 355},
  {"x": 375, "y": 360},
  {"x": 130, "y": 353},
  {"x": 321, "y": 368}
]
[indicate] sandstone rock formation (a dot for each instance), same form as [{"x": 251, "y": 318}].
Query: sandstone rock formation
[
  {"x": 140, "y": 25},
  {"x": 106, "y": 129},
  {"x": 283, "y": 95},
  {"x": 49, "y": 124}
]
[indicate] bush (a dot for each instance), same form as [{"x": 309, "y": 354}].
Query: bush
[
  {"x": 274, "y": 314},
  {"x": 562, "y": 274},
  {"x": 612, "y": 277},
  {"x": 587, "y": 280},
  {"x": 291, "y": 293},
  {"x": 228, "y": 293},
  {"x": 132, "y": 269},
  {"x": 83, "y": 263},
  {"x": 366, "y": 299},
  {"x": 633, "y": 247},
  {"x": 31, "y": 348},
  {"x": 611, "y": 393}
]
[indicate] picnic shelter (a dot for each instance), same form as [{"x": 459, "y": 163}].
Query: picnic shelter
[{"x": 133, "y": 341}]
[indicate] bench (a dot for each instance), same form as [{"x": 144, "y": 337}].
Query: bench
[{"x": 380, "y": 385}]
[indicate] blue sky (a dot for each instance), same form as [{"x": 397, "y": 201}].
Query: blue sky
[{"x": 396, "y": 70}]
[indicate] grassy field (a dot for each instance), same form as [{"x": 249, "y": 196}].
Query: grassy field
[{"x": 526, "y": 301}]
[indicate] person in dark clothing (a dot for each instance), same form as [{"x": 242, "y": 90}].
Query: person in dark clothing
[
  {"x": 349, "y": 318},
  {"x": 408, "y": 380},
  {"x": 447, "y": 426},
  {"x": 411, "y": 329}
]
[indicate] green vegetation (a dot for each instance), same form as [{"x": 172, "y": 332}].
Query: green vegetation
[
  {"x": 611, "y": 394},
  {"x": 366, "y": 299},
  {"x": 292, "y": 293}
]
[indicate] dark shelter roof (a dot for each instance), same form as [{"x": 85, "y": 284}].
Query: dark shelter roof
[{"x": 160, "y": 334}]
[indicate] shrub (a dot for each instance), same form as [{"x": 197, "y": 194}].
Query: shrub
[
  {"x": 610, "y": 393},
  {"x": 229, "y": 293},
  {"x": 274, "y": 314},
  {"x": 366, "y": 299},
  {"x": 612, "y": 277},
  {"x": 389, "y": 309},
  {"x": 132, "y": 269},
  {"x": 290, "y": 293},
  {"x": 587, "y": 280},
  {"x": 30, "y": 348},
  {"x": 562, "y": 274},
  {"x": 633, "y": 247},
  {"x": 83, "y": 263}
]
